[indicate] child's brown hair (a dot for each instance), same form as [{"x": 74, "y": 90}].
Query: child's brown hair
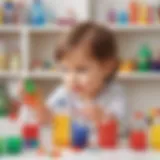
[{"x": 101, "y": 40}]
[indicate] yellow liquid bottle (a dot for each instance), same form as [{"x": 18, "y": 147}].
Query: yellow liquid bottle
[
  {"x": 61, "y": 130},
  {"x": 154, "y": 133},
  {"x": 142, "y": 13}
]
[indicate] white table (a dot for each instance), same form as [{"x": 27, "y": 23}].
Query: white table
[{"x": 119, "y": 154}]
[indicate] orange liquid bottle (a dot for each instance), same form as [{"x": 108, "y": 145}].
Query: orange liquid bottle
[{"x": 133, "y": 15}]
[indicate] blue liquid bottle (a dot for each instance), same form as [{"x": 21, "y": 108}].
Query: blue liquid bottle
[
  {"x": 80, "y": 134},
  {"x": 38, "y": 17}
]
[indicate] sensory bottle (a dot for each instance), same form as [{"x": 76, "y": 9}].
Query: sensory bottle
[
  {"x": 108, "y": 133},
  {"x": 133, "y": 11},
  {"x": 138, "y": 133},
  {"x": 61, "y": 124},
  {"x": 38, "y": 13},
  {"x": 80, "y": 134},
  {"x": 154, "y": 131}
]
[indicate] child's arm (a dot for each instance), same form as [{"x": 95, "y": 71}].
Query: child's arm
[{"x": 44, "y": 115}]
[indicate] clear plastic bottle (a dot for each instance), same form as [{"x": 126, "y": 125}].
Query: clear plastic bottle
[
  {"x": 38, "y": 15},
  {"x": 61, "y": 124},
  {"x": 154, "y": 132},
  {"x": 138, "y": 134}
]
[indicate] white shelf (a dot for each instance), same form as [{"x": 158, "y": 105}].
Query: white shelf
[
  {"x": 135, "y": 28},
  {"x": 48, "y": 29},
  {"x": 49, "y": 75},
  {"x": 11, "y": 28},
  {"x": 44, "y": 75},
  {"x": 10, "y": 74},
  {"x": 139, "y": 76},
  {"x": 63, "y": 29}
]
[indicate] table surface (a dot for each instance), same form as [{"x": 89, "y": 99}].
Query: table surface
[{"x": 118, "y": 154}]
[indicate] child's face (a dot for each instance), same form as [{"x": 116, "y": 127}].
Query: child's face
[{"x": 84, "y": 74}]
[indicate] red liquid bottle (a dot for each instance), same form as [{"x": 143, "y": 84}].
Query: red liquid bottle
[
  {"x": 108, "y": 134},
  {"x": 138, "y": 135}
]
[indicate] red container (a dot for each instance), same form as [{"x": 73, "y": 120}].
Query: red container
[
  {"x": 30, "y": 131},
  {"x": 138, "y": 140},
  {"x": 108, "y": 134}
]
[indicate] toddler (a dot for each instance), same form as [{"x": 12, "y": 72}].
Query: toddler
[{"x": 87, "y": 58}]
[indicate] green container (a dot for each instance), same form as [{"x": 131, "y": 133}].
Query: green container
[
  {"x": 144, "y": 58},
  {"x": 14, "y": 145},
  {"x": 2, "y": 146},
  {"x": 30, "y": 86}
]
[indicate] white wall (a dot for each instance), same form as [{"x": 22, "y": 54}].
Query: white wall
[{"x": 61, "y": 6}]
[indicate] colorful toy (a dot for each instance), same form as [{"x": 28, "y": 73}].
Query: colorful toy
[
  {"x": 38, "y": 16},
  {"x": 62, "y": 130},
  {"x": 14, "y": 145},
  {"x": 127, "y": 66},
  {"x": 154, "y": 131},
  {"x": 112, "y": 16},
  {"x": 144, "y": 58},
  {"x": 143, "y": 13},
  {"x": 108, "y": 133},
  {"x": 133, "y": 15},
  {"x": 30, "y": 86},
  {"x": 122, "y": 17},
  {"x": 138, "y": 135},
  {"x": 80, "y": 133}
]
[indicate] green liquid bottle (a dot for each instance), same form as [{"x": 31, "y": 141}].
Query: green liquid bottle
[{"x": 144, "y": 58}]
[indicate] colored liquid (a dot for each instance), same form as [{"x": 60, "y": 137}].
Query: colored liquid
[
  {"x": 79, "y": 135},
  {"x": 30, "y": 132},
  {"x": 133, "y": 12},
  {"x": 14, "y": 145},
  {"x": 155, "y": 137},
  {"x": 31, "y": 143},
  {"x": 108, "y": 134},
  {"x": 138, "y": 140},
  {"x": 143, "y": 14},
  {"x": 61, "y": 130}
]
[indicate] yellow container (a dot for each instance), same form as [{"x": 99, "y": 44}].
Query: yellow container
[
  {"x": 61, "y": 130},
  {"x": 143, "y": 13},
  {"x": 155, "y": 137}
]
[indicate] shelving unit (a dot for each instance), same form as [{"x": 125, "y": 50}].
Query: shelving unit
[{"x": 27, "y": 33}]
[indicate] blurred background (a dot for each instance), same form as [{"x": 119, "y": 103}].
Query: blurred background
[{"x": 30, "y": 29}]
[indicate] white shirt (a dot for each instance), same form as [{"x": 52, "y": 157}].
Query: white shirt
[{"x": 111, "y": 99}]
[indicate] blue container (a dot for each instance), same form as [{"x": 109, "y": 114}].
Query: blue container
[
  {"x": 80, "y": 133},
  {"x": 38, "y": 15},
  {"x": 31, "y": 143},
  {"x": 123, "y": 17}
]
